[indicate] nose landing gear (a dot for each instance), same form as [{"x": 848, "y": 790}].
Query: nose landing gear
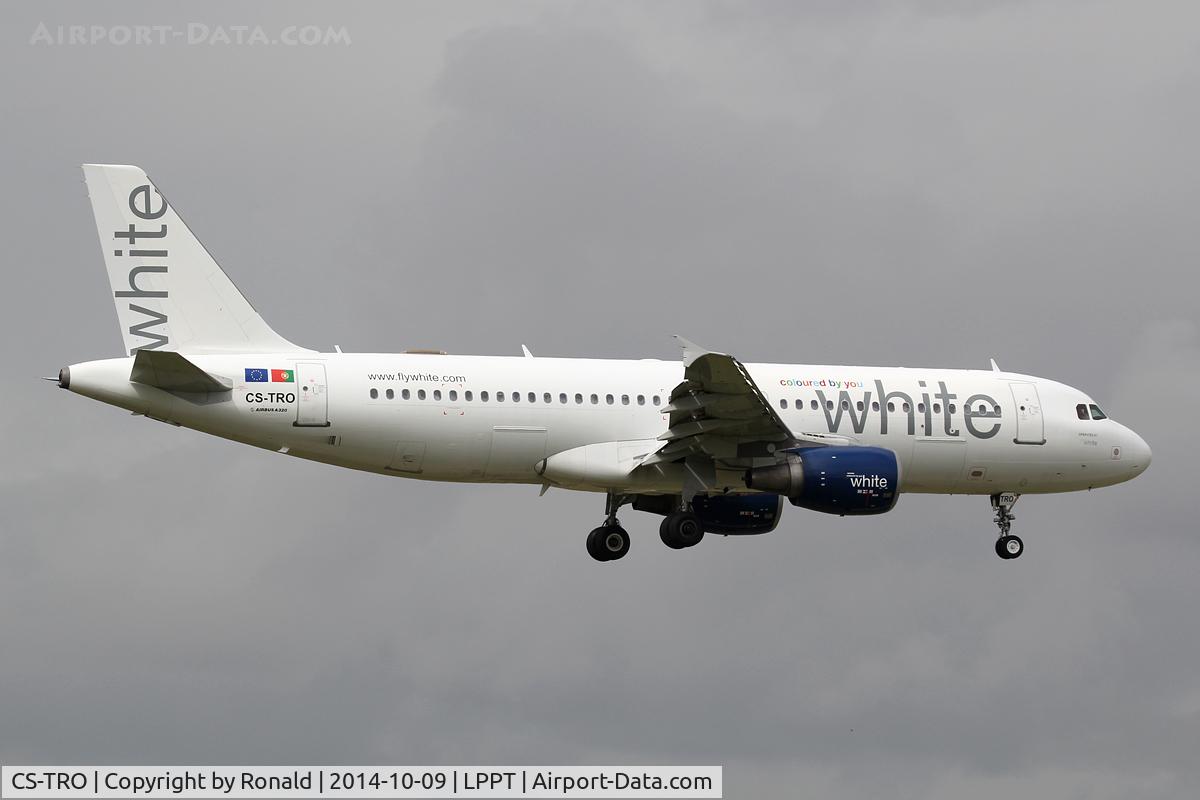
[{"x": 1007, "y": 545}]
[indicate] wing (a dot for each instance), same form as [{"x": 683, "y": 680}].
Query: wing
[{"x": 719, "y": 415}]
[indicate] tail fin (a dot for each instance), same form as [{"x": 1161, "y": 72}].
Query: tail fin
[{"x": 170, "y": 293}]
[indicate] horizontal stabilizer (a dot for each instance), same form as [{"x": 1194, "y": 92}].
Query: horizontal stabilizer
[{"x": 169, "y": 370}]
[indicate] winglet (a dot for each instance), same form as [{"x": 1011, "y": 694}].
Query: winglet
[{"x": 995, "y": 366}]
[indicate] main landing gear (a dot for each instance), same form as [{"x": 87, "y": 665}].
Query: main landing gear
[
  {"x": 1007, "y": 545},
  {"x": 680, "y": 529},
  {"x": 610, "y": 541}
]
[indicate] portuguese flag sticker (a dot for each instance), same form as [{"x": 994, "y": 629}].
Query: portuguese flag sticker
[{"x": 283, "y": 376}]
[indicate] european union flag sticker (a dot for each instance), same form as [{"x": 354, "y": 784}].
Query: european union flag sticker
[{"x": 256, "y": 376}]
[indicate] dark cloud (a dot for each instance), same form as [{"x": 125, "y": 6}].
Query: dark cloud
[{"x": 887, "y": 185}]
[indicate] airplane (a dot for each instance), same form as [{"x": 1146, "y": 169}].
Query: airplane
[{"x": 711, "y": 444}]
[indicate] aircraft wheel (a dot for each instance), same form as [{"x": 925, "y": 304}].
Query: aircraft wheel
[
  {"x": 681, "y": 529},
  {"x": 667, "y": 536},
  {"x": 593, "y": 544},
  {"x": 1009, "y": 547},
  {"x": 608, "y": 543},
  {"x": 612, "y": 542}
]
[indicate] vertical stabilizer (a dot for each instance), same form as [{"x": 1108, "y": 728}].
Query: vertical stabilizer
[{"x": 169, "y": 292}]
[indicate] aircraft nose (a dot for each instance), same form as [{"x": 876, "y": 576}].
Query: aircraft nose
[{"x": 1138, "y": 452}]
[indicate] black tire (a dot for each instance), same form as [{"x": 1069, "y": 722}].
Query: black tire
[
  {"x": 667, "y": 535},
  {"x": 1009, "y": 547},
  {"x": 1014, "y": 546},
  {"x": 613, "y": 542},
  {"x": 689, "y": 530},
  {"x": 680, "y": 529},
  {"x": 593, "y": 544}
]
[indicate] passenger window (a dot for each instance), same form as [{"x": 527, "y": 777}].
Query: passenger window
[
  {"x": 875, "y": 405},
  {"x": 920, "y": 408},
  {"x": 891, "y": 406},
  {"x": 562, "y": 397},
  {"x": 453, "y": 395},
  {"x": 595, "y": 399},
  {"x": 1081, "y": 411},
  {"x": 499, "y": 397},
  {"x": 578, "y": 399},
  {"x": 437, "y": 394},
  {"x": 390, "y": 395},
  {"x": 468, "y": 395},
  {"x": 783, "y": 403},
  {"x": 420, "y": 394},
  {"x": 374, "y": 394},
  {"x": 641, "y": 399},
  {"x": 953, "y": 408},
  {"x": 608, "y": 398},
  {"x": 516, "y": 397},
  {"x": 546, "y": 398},
  {"x": 937, "y": 408},
  {"x": 829, "y": 405},
  {"x": 406, "y": 394},
  {"x": 483, "y": 397},
  {"x": 657, "y": 401},
  {"x": 624, "y": 399},
  {"x": 814, "y": 405},
  {"x": 860, "y": 405},
  {"x": 1096, "y": 412}
]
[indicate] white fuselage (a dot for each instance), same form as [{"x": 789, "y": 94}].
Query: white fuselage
[{"x": 496, "y": 419}]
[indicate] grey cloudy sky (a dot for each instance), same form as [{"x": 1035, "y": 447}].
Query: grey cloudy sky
[{"x": 882, "y": 182}]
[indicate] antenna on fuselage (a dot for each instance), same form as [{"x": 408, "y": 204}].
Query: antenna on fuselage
[{"x": 995, "y": 366}]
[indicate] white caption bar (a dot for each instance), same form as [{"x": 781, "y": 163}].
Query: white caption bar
[{"x": 354, "y": 782}]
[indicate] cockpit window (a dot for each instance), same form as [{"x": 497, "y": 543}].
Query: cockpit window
[
  {"x": 1096, "y": 412},
  {"x": 1082, "y": 410}
]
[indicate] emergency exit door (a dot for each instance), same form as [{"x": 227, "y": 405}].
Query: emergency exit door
[
  {"x": 312, "y": 404},
  {"x": 1031, "y": 427}
]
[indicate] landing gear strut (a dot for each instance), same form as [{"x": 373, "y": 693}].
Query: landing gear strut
[
  {"x": 610, "y": 541},
  {"x": 1007, "y": 545}
]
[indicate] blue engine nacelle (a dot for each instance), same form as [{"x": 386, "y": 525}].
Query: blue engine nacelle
[
  {"x": 729, "y": 514},
  {"x": 834, "y": 480}
]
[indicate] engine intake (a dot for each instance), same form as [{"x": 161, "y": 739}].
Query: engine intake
[{"x": 834, "y": 480}]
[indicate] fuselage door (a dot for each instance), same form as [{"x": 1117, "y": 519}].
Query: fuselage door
[
  {"x": 312, "y": 407},
  {"x": 1031, "y": 428}
]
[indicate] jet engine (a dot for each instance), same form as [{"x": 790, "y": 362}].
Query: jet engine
[{"x": 833, "y": 480}]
